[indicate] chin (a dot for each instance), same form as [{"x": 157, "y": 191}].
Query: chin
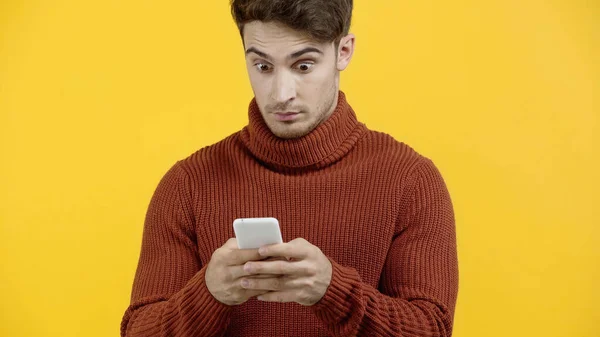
[{"x": 290, "y": 131}]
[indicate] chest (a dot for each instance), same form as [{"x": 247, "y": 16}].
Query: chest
[{"x": 350, "y": 216}]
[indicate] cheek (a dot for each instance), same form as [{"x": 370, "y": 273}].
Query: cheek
[
  {"x": 260, "y": 86},
  {"x": 318, "y": 85},
  {"x": 321, "y": 78}
]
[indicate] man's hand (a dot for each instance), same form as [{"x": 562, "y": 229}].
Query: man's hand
[
  {"x": 225, "y": 270},
  {"x": 303, "y": 276}
]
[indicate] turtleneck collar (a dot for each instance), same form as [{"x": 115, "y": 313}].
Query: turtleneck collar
[{"x": 327, "y": 143}]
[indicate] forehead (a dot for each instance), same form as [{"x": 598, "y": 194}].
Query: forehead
[{"x": 275, "y": 38}]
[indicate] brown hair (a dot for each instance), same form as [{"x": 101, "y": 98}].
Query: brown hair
[{"x": 322, "y": 20}]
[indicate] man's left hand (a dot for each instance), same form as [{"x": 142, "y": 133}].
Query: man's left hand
[{"x": 301, "y": 274}]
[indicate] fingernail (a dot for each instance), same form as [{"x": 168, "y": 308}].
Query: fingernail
[
  {"x": 245, "y": 283},
  {"x": 260, "y": 298},
  {"x": 262, "y": 250}
]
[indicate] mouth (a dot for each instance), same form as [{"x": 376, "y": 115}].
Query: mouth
[{"x": 285, "y": 116}]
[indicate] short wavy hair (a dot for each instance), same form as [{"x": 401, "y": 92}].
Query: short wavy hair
[{"x": 322, "y": 20}]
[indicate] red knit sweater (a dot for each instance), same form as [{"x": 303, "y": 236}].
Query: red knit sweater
[{"x": 380, "y": 211}]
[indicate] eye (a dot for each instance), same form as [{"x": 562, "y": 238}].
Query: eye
[
  {"x": 304, "y": 66},
  {"x": 262, "y": 67}
]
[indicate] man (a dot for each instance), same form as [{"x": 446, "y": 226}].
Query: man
[{"x": 368, "y": 226}]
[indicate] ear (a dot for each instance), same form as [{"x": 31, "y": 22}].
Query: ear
[{"x": 345, "y": 51}]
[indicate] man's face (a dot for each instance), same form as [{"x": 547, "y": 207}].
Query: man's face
[{"x": 295, "y": 79}]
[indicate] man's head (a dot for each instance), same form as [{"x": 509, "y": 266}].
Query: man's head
[{"x": 295, "y": 50}]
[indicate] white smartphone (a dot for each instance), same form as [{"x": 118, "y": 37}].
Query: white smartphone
[{"x": 253, "y": 233}]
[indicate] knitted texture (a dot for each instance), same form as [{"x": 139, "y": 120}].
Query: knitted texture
[{"x": 377, "y": 209}]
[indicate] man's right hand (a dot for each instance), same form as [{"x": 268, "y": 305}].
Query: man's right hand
[{"x": 225, "y": 270}]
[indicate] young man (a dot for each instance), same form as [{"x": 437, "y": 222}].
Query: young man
[{"x": 368, "y": 224}]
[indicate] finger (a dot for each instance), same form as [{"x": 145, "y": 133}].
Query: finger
[
  {"x": 297, "y": 249},
  {"x": 275, "y": 258},
  {"x": 248, "y": 293},
  {"x": 279, "y": 296},
  {"x": 235, "y": 272},
  {"x": 231, "y": 244},
  {"x": 297, "y": 268},
  {"x": 240, "y": 256},
  {"x": 270, "y": 284},
  {"x": 291, "y": 282}
]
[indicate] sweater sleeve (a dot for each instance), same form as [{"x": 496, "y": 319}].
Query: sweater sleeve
[
  {"x": 419, "y": 284},
  {"x": 169, "y": 296}
]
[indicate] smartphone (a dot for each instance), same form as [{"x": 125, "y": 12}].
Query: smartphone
[{"x": 253, "y": 233}]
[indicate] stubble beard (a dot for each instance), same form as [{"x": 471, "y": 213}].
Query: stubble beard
[{"x": 281, "y": 130}]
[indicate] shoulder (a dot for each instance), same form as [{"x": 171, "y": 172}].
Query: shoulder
[
  {"x": 415, "y": 176},
  {"x": 406, "y": 166},
  {"x": 214, "y": 156},
  {"x": 384, "y": 149},
  {"x": 205, "y": 164}
]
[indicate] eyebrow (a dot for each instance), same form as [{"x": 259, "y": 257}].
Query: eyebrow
[{"x": 291, "y": 56}]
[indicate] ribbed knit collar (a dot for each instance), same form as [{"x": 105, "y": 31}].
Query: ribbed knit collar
[{"x": 326, "y": 144}]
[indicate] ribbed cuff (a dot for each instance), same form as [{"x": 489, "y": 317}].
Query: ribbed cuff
[
  {"x": 341, "y": 295},
  {"x": 205, "y": 313}
]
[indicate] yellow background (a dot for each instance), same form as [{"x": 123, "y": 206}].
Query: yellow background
[{"x": 99, "y": 98}]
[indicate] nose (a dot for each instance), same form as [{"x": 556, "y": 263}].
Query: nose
[{"x": 284, "y": 87}]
